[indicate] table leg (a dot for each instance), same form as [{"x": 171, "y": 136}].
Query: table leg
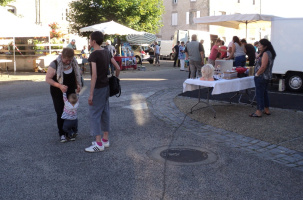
[
  {"x": 240, "y": 93},
  {"x": 208, "y": 105},
  {"x": 7, "y": 69}
]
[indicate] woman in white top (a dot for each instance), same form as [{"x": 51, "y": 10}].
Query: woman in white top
[{"x": 238, "y": 52}]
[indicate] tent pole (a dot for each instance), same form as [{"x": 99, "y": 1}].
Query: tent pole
[
  {"x": 14, "y": 52},
  {"x": 49, "y": 47},
  {"x": 246, "y": 30}
]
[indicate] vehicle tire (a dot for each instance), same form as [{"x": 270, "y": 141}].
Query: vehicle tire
[
  {"x": 151, "y": 61},
  {"x": 294, "y": 82},
  {"x": 138, "y": 60},
  {"x": 172, "y": 56}
]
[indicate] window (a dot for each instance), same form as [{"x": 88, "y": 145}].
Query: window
[
  {"x": 174, "y": 19},
  {"x": 175, "y": 1},
  {"x": 197, "y": 14},
  {"x": 187, "y": 17}
]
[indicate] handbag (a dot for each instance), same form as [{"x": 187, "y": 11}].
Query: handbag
[{"x": 114, "y": 86}]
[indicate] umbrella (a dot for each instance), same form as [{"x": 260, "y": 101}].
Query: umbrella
[
  {"x": 110, "y": 28},
  {"x": 141, "y": 38},
  {"x": 233, "y": 21}
]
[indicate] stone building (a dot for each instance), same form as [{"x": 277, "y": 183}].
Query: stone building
[{"x": 179, "y": 15}]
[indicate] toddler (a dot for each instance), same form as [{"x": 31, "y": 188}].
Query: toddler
[{"x": 70, "y": 125}]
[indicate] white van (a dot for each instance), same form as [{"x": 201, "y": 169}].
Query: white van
[
  {"x": 166, "y": 51},
  {"x": 286, "y": 38}
]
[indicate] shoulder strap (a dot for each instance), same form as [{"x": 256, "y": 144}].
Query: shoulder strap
[{"x": 56, "y": 63}]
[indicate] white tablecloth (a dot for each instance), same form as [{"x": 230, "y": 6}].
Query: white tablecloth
[{"x": 220, "y": 86}]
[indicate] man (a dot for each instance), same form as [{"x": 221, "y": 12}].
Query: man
[
  {"x": 250, "y": 52},
  {"x": 176, "y": 51},
  {"x": 112, "y": 51},
  {"x": 202, "y": 42},
  {"x": 194, "y": 52},
  {"x": 72, "y": 45}
]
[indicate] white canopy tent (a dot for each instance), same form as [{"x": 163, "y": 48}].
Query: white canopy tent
[
  {"x": 110, "y": 28},
  {"x": 12, "y": 27},
  {"x": 233, "y": 21}
]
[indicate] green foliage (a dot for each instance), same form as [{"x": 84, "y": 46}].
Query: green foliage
[
  {"x": 140, "y": 15},
  {"x": 5, "y": 2}
]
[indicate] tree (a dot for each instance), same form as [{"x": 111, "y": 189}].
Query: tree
[
  {"x": 5, "y": 2},
  {"x": 140, "y": 15}
]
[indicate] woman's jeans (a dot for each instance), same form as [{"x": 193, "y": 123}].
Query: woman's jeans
[
  {"x": 261, "y": 92},
  {"x": 240, "y": 61}
]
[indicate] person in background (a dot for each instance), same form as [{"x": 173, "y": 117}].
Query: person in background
[
  {"x": 194, "y": 53},
  {"x": 256, "y": 45},
  {"x": 157, "y": 49},
  {"x": 182, "y": 55},
  {"x": 176, "y": 53},
  {"x": 202, "y": 42},
  {"x": 63, "y": 75},
  {"x": 84, "y": 52},
  {"x": 187, "y": 62},
  {"x": 223, "y": 50},
  {"x": 238, "y": 52},
  {"x": 250, "y": 52},
  {"x": 112, "y": 51},
  {"x": 72, "y": 44},
  {"x": 98, "y": 99},
  {"x": 214, "y": 52},
  {"x": 263, "y": 74},
  {"x": 230, "y": 49}
]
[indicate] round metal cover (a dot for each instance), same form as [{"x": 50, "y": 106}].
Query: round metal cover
[
  {"x": 182, "y": 155},
  {"x": 185, "y": 155}
]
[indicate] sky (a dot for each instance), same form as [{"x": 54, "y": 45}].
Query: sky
[{"x": 282, "y": 8}]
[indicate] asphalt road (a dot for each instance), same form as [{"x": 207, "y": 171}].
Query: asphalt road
[{"x": 35, "y": 165}]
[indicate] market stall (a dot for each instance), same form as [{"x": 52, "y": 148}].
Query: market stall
[
  {"x": 218, "y": 87},
  {"x": 17, "y": 29},
  {"x": 127, "y": 60}
]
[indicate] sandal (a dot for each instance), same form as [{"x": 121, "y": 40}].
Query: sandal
[
  {"x": 254, "y": 115},
  {"x": 266, "y": 113}
]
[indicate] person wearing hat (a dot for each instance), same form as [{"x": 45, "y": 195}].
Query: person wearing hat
[{"x": 72, "y": 45}]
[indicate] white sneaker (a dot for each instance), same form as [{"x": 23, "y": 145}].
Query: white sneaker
[
  {"x": 105, "y": 144},
  {"x": 94, "y": 148},
  {"x": 63, "y": 139}
]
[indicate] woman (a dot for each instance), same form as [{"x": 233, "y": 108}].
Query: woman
[
  {"x": 63, "y": 75},
  {"x": 182, "y": 56},
  {"x": 238, "y": 52},
  {"x": 99, "y": 92},
  {"x": 263, "y": 73},
  {"x": 214, "y": 52}
]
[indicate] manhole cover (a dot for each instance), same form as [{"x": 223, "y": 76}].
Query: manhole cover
[
  {"x": 182, "y": 155},
  {"x": 185, "y": 155}
]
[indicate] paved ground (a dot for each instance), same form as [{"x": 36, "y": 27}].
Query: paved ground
[{"x": 34, "y": 165}]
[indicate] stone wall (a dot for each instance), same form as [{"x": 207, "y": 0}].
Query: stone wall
[{"x": 27, "y": 63}]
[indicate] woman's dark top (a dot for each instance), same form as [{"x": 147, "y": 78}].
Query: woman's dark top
[
  {"x": 102, "y": 60},
  {"x": 69, "y": 80}
]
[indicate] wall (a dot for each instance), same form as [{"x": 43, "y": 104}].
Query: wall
[{"x": 27, "y": 63}]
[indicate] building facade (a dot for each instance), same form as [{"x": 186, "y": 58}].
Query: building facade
[
  {"x": 179, "y": 15},
  {"x": 42, "y": 12}
]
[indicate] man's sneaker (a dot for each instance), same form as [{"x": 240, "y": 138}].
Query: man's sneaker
[
  {"x": 73, "y": 137},
  {"x": 94, "y": 148},
  {"x": 105, "y": 144},
  {"x": 63, "y": 139}
]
